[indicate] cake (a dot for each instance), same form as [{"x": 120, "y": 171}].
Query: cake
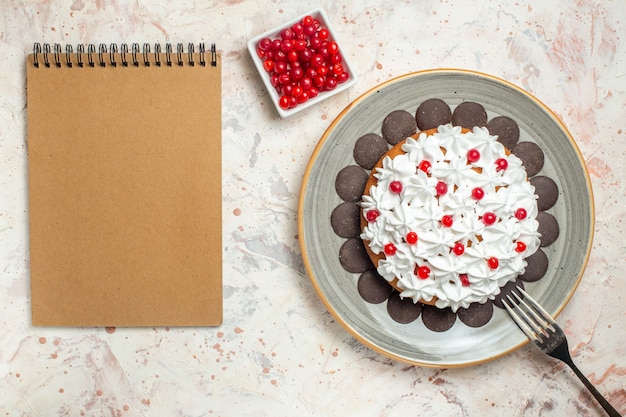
[{"x": 449, "y": 217}]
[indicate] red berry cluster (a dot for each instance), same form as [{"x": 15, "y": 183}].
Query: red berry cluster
[{"x": 302, "y": 62}]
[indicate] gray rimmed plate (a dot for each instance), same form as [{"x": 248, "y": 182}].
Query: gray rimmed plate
[{"x": 370, "y": 323}]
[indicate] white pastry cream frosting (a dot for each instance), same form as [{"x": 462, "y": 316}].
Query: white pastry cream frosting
[{"x": 454, "y": 216}]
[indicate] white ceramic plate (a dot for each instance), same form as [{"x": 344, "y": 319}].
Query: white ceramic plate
[{"x": 370, "y": 323}]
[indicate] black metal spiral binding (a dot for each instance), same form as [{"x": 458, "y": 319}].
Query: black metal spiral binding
[{"x": 47, "y": 55}]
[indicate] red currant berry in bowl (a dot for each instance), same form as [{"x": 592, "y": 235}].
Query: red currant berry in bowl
[
  {"x": 265, "y": 44},
  {"x": 306, "y": 55}
]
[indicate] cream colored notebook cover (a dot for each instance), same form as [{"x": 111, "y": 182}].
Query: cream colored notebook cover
[{"x": 124, "y": 164}]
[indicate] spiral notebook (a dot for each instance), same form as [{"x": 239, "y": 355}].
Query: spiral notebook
[{"x": 124, "y": 164}]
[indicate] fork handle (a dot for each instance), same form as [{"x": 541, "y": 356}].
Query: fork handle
[{"x": 596, "y": 394}]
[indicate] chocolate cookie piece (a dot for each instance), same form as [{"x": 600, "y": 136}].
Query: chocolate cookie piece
[
  {"x": 536, "y": 268},
  {"x": 531, "y": 155},
  {"x": 506, "y": 129},
  {"x": 403, "y": 310},
  {"x": 547, "y": 191},
  {"x": 476, "y": 315},
  {"x": 432, "y": 113},
  {"x": 353, "y": 257},
  {"x": 437, "y": 319},
  {"x": 373, "y": 288},
  {"x": 548, "y": 228},
  {"x": 398, "y": 125},
  {"x": 469, "y": 114},
  {"x": 368, "y": 149},
  {"x": 350, "y": 182},
  {"x": 508, "y": 290},
  {"x": 345, "y": 220}
]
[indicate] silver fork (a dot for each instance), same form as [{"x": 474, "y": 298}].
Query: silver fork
[{"x": 541, "y": 328}]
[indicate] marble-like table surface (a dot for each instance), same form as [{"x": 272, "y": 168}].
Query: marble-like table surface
[{"x": 279, "y": 352}]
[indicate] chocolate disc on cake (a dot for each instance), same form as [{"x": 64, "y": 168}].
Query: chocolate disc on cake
[
  {"x": 350, "y": 182},
  {"x": 469, "y": 114},
  {"x": 531, "y": 155},
  {"x": 547, "y": 192},
  {"x": 353, "y": 257},
  {"x": 548, "y": 228},
  {"x": 536, "y": 268},
  {"x": 368, "y": 149},
  {"x": 506, "y": 129},
  {"x": 432, "y": 113},
  {"x": 345, "y": 220},
  {"x": 403, "y": 310},
  {"x": 476, "y": 315},
  {"x": 373, "y": 288},
  {"x": 398, "y": 125},
  {"x": 438, "y": 319}
]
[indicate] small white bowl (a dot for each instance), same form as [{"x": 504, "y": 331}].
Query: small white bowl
[{"x": 320, "y": 15}]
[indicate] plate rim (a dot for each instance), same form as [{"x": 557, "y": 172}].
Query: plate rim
[{"x": 316, "y": 152}]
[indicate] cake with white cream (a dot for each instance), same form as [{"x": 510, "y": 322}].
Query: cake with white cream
[{"x": 448, "y": 217}]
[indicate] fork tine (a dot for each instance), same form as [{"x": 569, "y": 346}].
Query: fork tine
[
  {"x": 539, "y": 323},
  {"x": 521, "y": 323},
  {"x": 538, "y": 307},
  {"x": 523, "y": 311}
]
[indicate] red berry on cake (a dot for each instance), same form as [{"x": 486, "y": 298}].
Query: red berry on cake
[
  {"x": 478, "y": 193},
  {"x": 395, "y": 187},
  {"x": 520, "y": 247},
  {"x": 489, "y": 218},
  {"x": 473, "y": 155},
  {"x": 441, "y": 188},
  {"x": 372, "y": 215},
  {"x": 458, "y": 249},
  {"x": 520, "y": 213},
  {"x": 423, "y": 272},
  {"x": 464, "y": 280},
  {"x": 493, "y": 262},
  {"x": 390, "y": 249},
  {"x": 425, "y": 166},
  {"x": 446, "y": 220},
  {"x": 501, "y": 164},
  {"x": 411, "y": 238}
]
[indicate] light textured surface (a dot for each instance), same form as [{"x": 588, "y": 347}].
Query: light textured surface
[{"x": 279, "y": 352}]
